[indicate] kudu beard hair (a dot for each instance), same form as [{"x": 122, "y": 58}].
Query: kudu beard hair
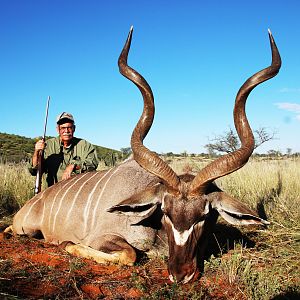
[{"x": 108, "y": 215}]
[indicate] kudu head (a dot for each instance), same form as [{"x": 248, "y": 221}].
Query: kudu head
[{"x": 188, "y": 202}]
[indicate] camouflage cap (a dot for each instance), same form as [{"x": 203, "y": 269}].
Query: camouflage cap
[{"x": 64, "y": 117}]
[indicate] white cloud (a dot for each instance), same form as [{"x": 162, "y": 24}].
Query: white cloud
[
  {"x": 290, "y": 90},
  {"x": 293, "y": 107}
]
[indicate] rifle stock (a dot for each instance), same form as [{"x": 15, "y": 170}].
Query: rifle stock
[{"x": 38, "y": 180}]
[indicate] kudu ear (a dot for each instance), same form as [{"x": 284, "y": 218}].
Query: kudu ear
[
  {"x": 142, "y": 204},
  {"x": 235, "y": 212}
]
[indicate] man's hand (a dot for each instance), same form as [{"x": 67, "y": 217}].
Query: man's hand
[
  {"x": 68, "y": 172},
  {"x": 39, "y": 146}
]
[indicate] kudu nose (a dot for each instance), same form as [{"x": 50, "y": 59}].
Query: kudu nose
[
  {"x": 182, "y": 278},
  {"x": 183, "y": 274}
]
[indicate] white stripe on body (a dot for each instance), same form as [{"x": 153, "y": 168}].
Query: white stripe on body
[
  {"x": 43, "y": 214},
  {"x": 62, "y": 198},
  {"x": 53, "y": 202},
  {"x": 76, "y": 196},
  {"x": 87, "y": 208},
  {"x": 32, "y": 205},
  {"x": 99, "y": 198}
]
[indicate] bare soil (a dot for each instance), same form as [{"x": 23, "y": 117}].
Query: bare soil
[{"x": 32, "y": 269}]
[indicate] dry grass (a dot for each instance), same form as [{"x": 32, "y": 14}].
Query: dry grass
[
  {"x": 273, "y": 184},
  {"x": 16, "y": 187}
]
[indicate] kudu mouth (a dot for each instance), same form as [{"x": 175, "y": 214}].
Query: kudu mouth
[
  {"x": 183, "y": 273},
  {"x": 185, "y": 278}
]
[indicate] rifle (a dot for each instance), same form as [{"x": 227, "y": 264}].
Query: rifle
[{"x": 38, "y": 180}]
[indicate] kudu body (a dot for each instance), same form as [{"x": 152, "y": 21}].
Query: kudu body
[{"x": 108, "y": 215}]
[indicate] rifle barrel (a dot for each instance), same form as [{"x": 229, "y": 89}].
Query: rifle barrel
[
  {"x": 38, "y": 180},
  {"x": 46, "y": 118}
]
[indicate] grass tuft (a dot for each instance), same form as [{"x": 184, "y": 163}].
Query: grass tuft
[{"x": 16, "y": 187}]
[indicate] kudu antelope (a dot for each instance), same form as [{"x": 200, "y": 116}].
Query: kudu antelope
[{"x": 108, "y": 215}]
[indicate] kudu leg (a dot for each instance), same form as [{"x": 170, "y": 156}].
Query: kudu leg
[
  {"x": 113, "y": 249},
  {"x": 8, "y": 232}
]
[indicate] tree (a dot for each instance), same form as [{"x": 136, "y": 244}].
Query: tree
[
  {"x": 288, "y": 151},
  {"x": 125, "y": 152},
  {"x": 184, "y": 153},
  {"x": 261, "y": 136},
  {"x": 169, "y": 154},
  {"x": 274, "y": 153},
  {"x": 229, "y": 141}
]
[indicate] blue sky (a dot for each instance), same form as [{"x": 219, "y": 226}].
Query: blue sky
[{"x": 194, "y": 54}]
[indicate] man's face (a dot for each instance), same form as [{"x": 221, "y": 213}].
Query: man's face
[{"x": 66, "y": 132}]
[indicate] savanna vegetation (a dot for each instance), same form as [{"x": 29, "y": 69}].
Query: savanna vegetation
[
  {"x": 16, "y": 148},
  {"x": 242, "y": 263}
]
